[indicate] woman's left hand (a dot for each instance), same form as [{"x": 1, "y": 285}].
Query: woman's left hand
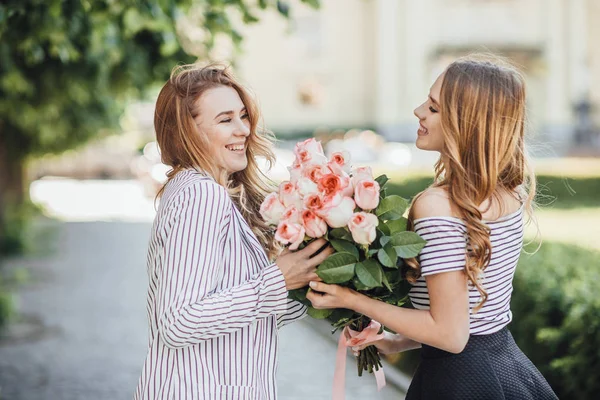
[{"x": 323, "y": 296}]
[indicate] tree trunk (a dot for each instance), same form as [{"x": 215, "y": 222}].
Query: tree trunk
[{"x": 12, "y": 193}]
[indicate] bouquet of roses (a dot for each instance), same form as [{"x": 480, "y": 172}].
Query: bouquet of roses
[{"x": 350, "y": 209}]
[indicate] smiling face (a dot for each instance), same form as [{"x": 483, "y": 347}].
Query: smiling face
[
  {"x": 429, "y": 134},
  {"x": 223, "y": 118}
]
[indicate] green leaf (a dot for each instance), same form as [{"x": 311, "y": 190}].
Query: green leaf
[
  {"x": 382, "y": 180},
  {"x": 384, "y": 240},
  {"x": 337, "y": 268},
  {"x": 395, "y": 226},
  {"x": 391, "y": 207},
  {"x": 369, "y": 273},
  {"x": 384, "y": 228},
  {"x": 388, "y": 256},
  {"x": 358, "y": 285},
  {"x": 407, "y": 244},
  {"x": 340, "y": 233},
  {"x": 386, "y": 283},
  {"x": 344, "y": 246},
  {"x": 319, "y": 314}
]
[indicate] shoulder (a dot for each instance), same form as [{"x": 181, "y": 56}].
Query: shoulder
[
  {"x": 190, "y": 188},
  {"x": 433, "y": 202}
]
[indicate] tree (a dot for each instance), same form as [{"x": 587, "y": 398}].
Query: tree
[{"x": 67, "y": 66}]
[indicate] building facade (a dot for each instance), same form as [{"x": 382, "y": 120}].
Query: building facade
[{"x": 369, "y": 63}]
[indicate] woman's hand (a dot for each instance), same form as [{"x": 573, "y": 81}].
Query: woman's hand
[
  {"x": 300, "y": 267},
  {"x": 391, "y": 343},
  {"x": 323, "y": 295}
]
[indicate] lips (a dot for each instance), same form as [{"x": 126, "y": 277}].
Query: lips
[{"x": 422, "y": 130}]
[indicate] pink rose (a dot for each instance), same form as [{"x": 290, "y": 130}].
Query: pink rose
[
  {"x": 295, "y": 172},
  {"x": 337, "y": 213},
  {"x": 291, "y": 215},
  {"x": 314, "y": 202},
  {"x": 314, "y": 226},
  {"x": 330, "y": 185},
  {"x": 366, "y": 194},
  {"x": 291, "y": 233},
  {"x": 363, "y": 227},
  {"x": 306, "y": 187},
  {"x": 289, "y": 195},
  {"x": 341, "y": 159},
  {"x": 310, "y": 152},
  {"x": 316, "y": 172},
  {"x": 272, "y": 209},
  {"x": 360, "y": 174}
]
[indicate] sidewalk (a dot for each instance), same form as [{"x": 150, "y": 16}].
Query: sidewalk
[{"x": 84, "y": 332}]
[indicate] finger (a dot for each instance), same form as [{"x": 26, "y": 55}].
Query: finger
[
  {"x": 285, "y": 251},
  {"x": 314, "y": 246},
  {"x": 315, "y": 277},
  {"x": 313, "y": 298},
  {"x": 320, "y": 287},
  {"x": 319, "y": 258}
]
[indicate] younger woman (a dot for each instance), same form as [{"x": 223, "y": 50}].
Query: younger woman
[{"x": 472, "y": 220}]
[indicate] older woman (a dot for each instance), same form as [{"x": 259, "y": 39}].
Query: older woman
[{"x": 215, "y": 300}]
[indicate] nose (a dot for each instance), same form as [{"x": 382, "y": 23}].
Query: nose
[
  {"x": 419, "y": 112},
  {"x": 243, "y": 129}
]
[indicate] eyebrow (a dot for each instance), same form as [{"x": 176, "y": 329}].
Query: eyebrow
[
  {"x": 230, "y": 112},
  {"x": 434, "y": 101}
]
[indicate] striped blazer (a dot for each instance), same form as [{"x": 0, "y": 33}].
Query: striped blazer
[{"x": 214, "y": 300}]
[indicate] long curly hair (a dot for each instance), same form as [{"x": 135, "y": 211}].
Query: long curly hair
[
  {"x": 182, "y": 147},
  {"x": 483, "y": 122}
]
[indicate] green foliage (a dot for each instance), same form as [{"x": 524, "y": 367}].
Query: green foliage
[
  {"x": 66, "y": 67},
  {"x": 391, "y": 207},
  {"x": 6, "y": 305},
  {"x": 337, "y": 268},
  {"x": 17, "y": 219},
  {"x": 553, "y": 191},
  {"x": 555, "y": 317}
]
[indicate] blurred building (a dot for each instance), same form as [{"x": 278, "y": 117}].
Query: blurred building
[{"x": 369, "y": 63}]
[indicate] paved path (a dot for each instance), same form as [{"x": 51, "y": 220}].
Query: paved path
[{"x": 83, "y": 335}]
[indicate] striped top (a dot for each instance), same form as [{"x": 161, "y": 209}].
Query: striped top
[
  {"x": 445, "y": 251},
  {"x": 214, "y": 300}
]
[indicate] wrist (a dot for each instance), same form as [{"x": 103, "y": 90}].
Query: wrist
[{"x": 354, "y": 301}]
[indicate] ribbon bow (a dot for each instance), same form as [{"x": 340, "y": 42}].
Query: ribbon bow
[{"x": 368, "y": 335}]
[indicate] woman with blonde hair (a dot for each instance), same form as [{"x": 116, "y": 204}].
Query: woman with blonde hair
[
  {"x": 472, "y": 220},
  {"x": 215, "y": 300}
]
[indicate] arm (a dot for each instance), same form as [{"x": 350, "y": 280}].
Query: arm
[
  {"x": 295, "y": 311},
  {"x": 446, "y": 324},
  {"x": 190, "y": 308}
]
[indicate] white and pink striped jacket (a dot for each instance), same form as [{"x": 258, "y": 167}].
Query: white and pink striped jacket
[{"x": 214, "y": 300}]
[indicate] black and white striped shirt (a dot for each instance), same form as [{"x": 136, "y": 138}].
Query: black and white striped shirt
[
  {"x": 214, "y": 300},
  {"x": 446, "y": 251}
]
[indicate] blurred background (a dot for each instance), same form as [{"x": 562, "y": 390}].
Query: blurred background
[{"x": 79, "y": 167}]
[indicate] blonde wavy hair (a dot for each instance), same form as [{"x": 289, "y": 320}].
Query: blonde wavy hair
[
  {"x": 182, "y": 147},
  {"x": 482, "y": 110}
]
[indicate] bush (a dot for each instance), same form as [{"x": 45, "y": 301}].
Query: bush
[
  {"x": 6, "y": 306},
  {"x": 554, "y": 191},
  {"x": 556, "y": 317}
]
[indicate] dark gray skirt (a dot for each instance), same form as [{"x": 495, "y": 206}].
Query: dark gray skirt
[{"x": 490, "y": 367}]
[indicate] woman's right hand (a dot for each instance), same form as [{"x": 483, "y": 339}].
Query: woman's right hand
[
  {"x": 300, "y": 267},
  {"x": 390, "y": 344}
]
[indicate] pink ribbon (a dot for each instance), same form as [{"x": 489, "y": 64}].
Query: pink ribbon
[{"x": 368, "y": 335}]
